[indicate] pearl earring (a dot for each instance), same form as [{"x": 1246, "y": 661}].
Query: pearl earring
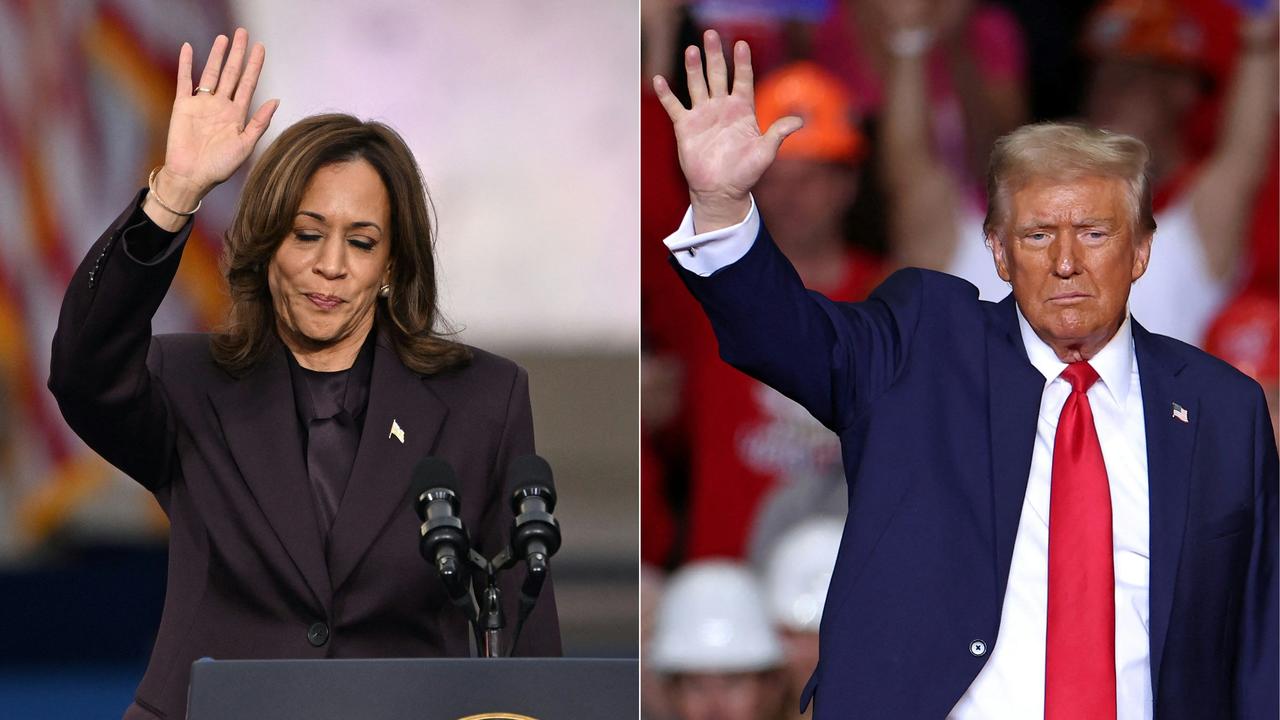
[{"x": 385, "y": 291}]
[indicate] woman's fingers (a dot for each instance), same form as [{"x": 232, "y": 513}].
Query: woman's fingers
[
  {"x": 259, "y": 122},
  {"x": 213, "y": 66},
  {"x": 717, "y": 72},
  {"x": 249, "y": 80},
  {"x": 184, "y": 72},
  {"x": 743, "y": 77},
  {"x": 693, "y": 74},
  {"x": 235, "y": 62}
]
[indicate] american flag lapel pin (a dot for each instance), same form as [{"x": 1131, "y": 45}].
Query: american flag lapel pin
[
  {"x": 398, "y": 433},
  {"x": 1180, "y": 413}
]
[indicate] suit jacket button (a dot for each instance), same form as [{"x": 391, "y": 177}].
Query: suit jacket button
[
  {"x": 318, "y": 634},
  {"x": 977, "y": 648}
]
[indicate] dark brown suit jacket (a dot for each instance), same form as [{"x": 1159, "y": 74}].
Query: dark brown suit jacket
[{"x": 249, "y": 576}]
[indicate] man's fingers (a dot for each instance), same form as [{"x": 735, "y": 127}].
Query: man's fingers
[
  {"x": 235, "y": 63},
  {"x": 743, "y": 77},
  {"x": 669, "y": 101},
  {"x": 781, "y": 128},
  {"x": 213, "y": 66},
  {"x": 693, "y": 74},
  {"x": 717, "y": 72},
  {"x": 259, "y": 122},
  {"x": 249, "y": 80},
  {"x": 184, "y": 72}
]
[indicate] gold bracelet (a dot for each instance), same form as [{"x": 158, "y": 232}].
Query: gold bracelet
[{"x": 151, "y": 186}]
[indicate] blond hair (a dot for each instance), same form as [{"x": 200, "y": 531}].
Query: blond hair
[{"x": 1066, "y": 151}]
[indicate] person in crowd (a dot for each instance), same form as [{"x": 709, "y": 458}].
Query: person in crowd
[
  {"x": 1053, "y": 512},
  {"x": 1247, "y": 334},
  {"x": 663, "y": 305},
  {"x": 714, "y": 646},
  {"x": 796, "y": 575},
  {"x": 654, "y": 702},
  {"x": 972, "y": 55},
  {"x": 1149, "y": 77},
  {"x": 792, "y": 503},
  {"x": 281, "y": 447}
]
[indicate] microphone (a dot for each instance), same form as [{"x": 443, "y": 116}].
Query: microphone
[
  {"x": 535, "y": 533},
  {"x": 443, "y": 540}
]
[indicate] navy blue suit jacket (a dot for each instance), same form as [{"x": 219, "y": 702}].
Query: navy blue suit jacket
[{"x": 935, "y": 403}]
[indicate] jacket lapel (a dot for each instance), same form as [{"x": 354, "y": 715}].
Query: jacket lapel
[
  {"x": 1169, "y": 447},
  {"x": 1015, "y": 387},
  {"x": 260, "y": 424},
  {"x": 379, "y": 484}
]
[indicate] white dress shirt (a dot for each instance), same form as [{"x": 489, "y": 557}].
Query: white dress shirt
[{"x": 1011, "y": 684}]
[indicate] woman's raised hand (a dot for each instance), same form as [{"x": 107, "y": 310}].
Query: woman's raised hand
[
  {"x": 210, "y": 131},
  {"x": 722, "y": 150}
]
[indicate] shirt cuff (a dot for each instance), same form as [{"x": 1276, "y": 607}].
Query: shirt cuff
[{"x": 711, "y": 251}]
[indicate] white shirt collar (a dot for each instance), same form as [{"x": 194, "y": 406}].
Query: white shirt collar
[{"x": 1113, "y": 363}]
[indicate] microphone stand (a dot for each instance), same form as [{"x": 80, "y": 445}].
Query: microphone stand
[
  {"x": 529, "y": 590},
  {"x": 491, "y": 620},
  {"x": 485, "y": 616}
]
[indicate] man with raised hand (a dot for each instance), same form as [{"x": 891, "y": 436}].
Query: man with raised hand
[{"x": 1052, "y": 512}]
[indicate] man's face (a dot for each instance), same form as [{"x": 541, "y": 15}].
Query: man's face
[
  {"x": 802, "y": 657},
  {"x": 805, "y": 201},
  {"x": 1069, "y": 250},
  {"x": 726, "y": 696},
  {"x": 1143, "y": 99}
]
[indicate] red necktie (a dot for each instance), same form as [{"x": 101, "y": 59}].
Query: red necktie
[{"x": 1080, "y": 654}]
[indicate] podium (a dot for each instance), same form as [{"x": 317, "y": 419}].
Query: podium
[{"x": 414, "y": 689}]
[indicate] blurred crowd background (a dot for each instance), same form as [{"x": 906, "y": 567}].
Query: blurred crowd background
[
  {"x": 526, "y": 129},
  {"x": 742, "y": 491}
]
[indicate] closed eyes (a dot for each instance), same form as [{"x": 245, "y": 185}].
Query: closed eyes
[{"x": 356, "y": 242}]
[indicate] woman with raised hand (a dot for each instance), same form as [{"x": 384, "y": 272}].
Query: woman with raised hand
[{"x": 281, "y": 446}]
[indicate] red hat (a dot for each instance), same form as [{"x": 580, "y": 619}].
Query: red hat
[
  {"x": 830, "y": 131},
  {"x": 1155, "y": 30}
]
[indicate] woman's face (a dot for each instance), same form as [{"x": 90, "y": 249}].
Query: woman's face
[{"x": 325, "y": 276}]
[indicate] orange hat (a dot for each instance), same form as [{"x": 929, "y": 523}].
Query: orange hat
[
  {"x": 1154, "y": 30},
  {"x": 1247, "y": 334},
  {"x": 830, "y": 131}
]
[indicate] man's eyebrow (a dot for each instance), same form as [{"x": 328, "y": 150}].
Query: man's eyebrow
[{"x": 1034, "y": 223}]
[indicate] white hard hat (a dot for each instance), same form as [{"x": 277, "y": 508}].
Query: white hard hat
[
  {"x": 798, "y": 572},
  {"x": 712, "y": 619}
]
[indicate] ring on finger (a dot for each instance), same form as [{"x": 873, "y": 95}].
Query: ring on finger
[{"x": 203, "y": 89}]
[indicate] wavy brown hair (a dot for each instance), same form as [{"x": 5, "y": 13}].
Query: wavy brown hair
[{"x": 268, "y": 205}]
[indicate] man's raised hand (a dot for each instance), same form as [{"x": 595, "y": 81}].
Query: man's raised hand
[{"x": 722, "y": 150}]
